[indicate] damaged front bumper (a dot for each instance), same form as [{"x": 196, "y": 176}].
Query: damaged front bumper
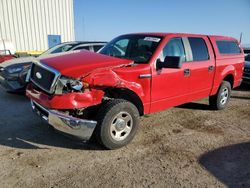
[{"x": 79, "y": 128}]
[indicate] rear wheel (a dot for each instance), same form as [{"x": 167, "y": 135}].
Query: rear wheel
[
  {"x": 220, "y": 100},
  {"x": 118, "y": 121}
]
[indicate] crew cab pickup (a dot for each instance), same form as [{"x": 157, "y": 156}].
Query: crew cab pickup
[{"x": 85, "y": 94}]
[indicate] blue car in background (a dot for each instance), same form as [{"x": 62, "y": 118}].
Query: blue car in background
[{"x": 246, "y": 71}]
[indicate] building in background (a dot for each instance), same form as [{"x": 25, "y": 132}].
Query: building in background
[{"x": 36, "y": 25}]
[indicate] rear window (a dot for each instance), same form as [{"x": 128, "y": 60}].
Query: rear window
[
  {"x": 228, "y": 47},
  {"x": 199, "y": 49}
]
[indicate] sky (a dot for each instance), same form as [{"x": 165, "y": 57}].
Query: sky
[{"x": 106, "y": 19}]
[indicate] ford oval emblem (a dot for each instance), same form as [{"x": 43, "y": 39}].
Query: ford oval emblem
[{"x": 38, "y": 75}]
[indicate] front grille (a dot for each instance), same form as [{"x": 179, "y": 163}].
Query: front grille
[{"x": 44, "y": 77}]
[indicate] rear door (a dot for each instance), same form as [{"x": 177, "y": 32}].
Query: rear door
[{"x": 200, "y": 67}]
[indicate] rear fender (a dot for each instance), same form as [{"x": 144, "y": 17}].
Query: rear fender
[{"x": 229, "y": 70}]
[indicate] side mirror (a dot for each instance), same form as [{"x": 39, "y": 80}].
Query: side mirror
[{"x": 170, "y": 62}]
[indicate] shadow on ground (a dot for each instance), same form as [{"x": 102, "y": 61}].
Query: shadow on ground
[
  {"x": 230, "y": 164},
  {"x": 243, "y": 87},
  {"x": 200, "y": 106},
  {"x": 195, "y": 106},
  {"x": 240, "y": 97},
  {"x": 21, "y": 128}
]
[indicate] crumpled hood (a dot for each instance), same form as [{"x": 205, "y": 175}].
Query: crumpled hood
[
  {"x": 17, "y": 61},
  {"x": 78, "y": 63},
  {"x": 247, "y": 64}
]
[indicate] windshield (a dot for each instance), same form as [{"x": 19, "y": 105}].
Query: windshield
[
  {"x": 59, "y": 48},
  {"x": 247, "y": 58},
  {"x": 138, "y": 48}
]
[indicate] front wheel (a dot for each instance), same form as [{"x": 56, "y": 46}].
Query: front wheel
[
  {"x": 118, "y": 121},
  {"x": 221, "y": 99}
]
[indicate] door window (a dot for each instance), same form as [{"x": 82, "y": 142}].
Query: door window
[
  {"x": 174, "y": 47},
  {"x": 199, "y": 49}
]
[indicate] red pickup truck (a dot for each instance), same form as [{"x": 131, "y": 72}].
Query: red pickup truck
[{"x": 88, "y": 94}]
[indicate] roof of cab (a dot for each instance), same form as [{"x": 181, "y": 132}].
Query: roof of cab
[{"x": 161, "y": 34}]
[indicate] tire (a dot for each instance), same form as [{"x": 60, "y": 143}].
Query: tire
[
  {"x": 117, "y": 123},
  {"x": 222, "y": 97}
]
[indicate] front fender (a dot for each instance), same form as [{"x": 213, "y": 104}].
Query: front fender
[{"x": 108, "y": 78}]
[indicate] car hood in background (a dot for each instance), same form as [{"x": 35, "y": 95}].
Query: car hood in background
[
  {"x": 78, "y": 63},
  {"x": 17, "y": 61},
  {"x": 247, "y": 64}
]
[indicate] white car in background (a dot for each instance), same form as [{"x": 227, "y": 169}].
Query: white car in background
[{"x": 13, "y": 72}]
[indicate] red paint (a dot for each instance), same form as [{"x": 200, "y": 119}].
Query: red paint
[
  {"x": 78, "y": 63},
  {"x": 66, "y": 101},
  {"x": 5, "y": 58},
  {"x": 166, "y": 88}
]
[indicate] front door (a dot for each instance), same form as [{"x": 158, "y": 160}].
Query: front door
[{"x": 169, "y": 85}]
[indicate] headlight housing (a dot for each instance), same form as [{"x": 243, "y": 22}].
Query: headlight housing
[
  {"x": 17, "y": 68},
  {"x": 75, "y": 85},
  {"x": 67, "y": 85},
  {"x": 12, "y": 70}
]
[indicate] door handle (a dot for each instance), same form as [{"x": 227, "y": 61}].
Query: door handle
[
  {"x": 210, "y": 68},
  {"x": 186, "y": 72},
  {"x": 145, "y": 76}
]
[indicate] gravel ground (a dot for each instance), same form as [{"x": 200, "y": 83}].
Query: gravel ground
[{"x": 185, "y": 146}]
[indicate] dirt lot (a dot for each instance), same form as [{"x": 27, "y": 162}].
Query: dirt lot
[{"x": 187, "y": 146}]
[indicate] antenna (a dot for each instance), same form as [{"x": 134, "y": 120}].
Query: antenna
[{"x": 241, "y": 37}]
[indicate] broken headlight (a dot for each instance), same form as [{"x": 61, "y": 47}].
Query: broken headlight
[
  {"x": 67, "y": 85},
  {"x": 75, "y": 85}
]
